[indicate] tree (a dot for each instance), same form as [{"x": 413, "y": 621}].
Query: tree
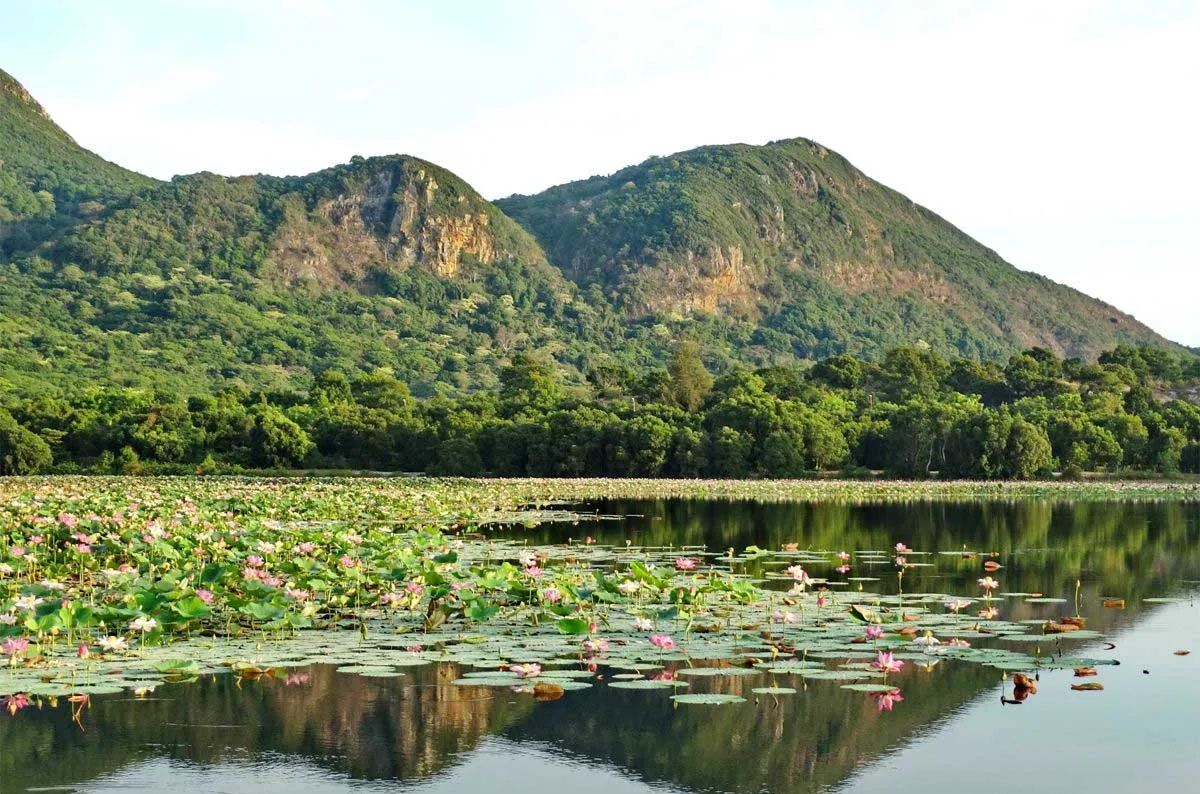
[
  {"x": 278, "y": 441},
  {"x": 689, "y": 381},
  {"x": 1027, "y": 452},
  {"x": 528, "y": 382},
  {"x": 21, "y": 450},
  {"x": 782, "y": 455}
]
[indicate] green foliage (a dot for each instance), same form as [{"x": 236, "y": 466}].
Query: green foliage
[
  {"x": 689, "y": 381},
  {"x": 817, "y": 258},
  {"x": 771, "y": 422},
  {"x": 21, "y": 452}
]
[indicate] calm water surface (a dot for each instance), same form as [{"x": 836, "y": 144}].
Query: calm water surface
[{"x": 342, "y": 733}]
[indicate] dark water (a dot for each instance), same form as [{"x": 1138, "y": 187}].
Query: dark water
[{"x": 340, "y": 733}]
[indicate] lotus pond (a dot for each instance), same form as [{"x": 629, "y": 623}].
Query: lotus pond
[{"x": 240, "y": 635}]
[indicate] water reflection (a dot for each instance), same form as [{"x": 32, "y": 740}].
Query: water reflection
[{"x": 422, "y": 733}]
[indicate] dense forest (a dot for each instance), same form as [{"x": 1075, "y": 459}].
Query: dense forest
[{"x": 912, "y": 414}]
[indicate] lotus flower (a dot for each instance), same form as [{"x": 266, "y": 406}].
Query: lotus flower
[
  {"x": 530, "y": 670},
  {"x": 143, "y": 624},
  {"x": 886, "y": 700},
  {"x": 110, "y": 644},
  {"x": 685, "y": 563},
  {"x": 663, "y": 642},
  {"x": 988, "y": 583},
  {"x": 885, "y": 663}
]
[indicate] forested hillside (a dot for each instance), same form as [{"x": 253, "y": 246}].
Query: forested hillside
[
  {"x": 394, "y": 267},
  {"x": 819, "y": 258}
]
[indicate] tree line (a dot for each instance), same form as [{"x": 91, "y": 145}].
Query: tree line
[{"x": 911, "y": 414}]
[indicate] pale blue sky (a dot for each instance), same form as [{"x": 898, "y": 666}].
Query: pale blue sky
[{"x": 1063, "y": 134}]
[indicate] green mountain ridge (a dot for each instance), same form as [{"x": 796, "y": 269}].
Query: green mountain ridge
[
  {"x": 763, "y": 255},
  {"x": 792, "y": 236}
]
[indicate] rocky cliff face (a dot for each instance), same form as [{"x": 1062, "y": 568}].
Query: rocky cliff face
[{"x": 393, "y": 214}]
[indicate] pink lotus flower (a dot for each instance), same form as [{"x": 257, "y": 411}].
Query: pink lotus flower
[
  {"x": 989, "y": 613},
  {"x": 842, "y": 569},
  {"x": 552, "y": 594},
  {"x": 68, "y": 520},
  {"x": 416, "y": 588},
  {"x": 901, "y": 548},
  {"x": 530, "y": 670},
  {"x": 143, "y": 624},
  {"x": 901, "y": 562},
  {"x": 254, "y": 561},
  {"x": 15, "y": 703},
  {"x": 35, "y": 540},
  {"x": 595, "y": 646},
  {"x": 83, "y": 651},
  {"x": 885, "y": 663},
  {"x": 533, "y": 572},
  {"x": 844, "y": 556},
  {"x": 14, "y": 645},
  {"x": 988, "y": 583},
  {"x": 205, "y": 595},
  {"x": 83, "y": 548},
  {"x": 885, "y": 700},
  {"x": 306, "y": 547},
  {"x": 347, "y": 561},
  {"x": 685, "y": 563},
  {"x": 17, "y": 551},
  {"x": 821, "y": 600},
  {"x": 797, "y": 573},
  {"x": 874, "y": 632},
  {"x": 663, "y": 642}
]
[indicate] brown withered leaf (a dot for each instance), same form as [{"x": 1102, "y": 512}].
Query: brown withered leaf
[
  {"x": 1114, "y": 603},
  {"x": 544, "y": 692},
  {"x": 1059, "y": 628},
  {"x": 1182, "y": 652},
  {"x": 1090, "y": 686},
  {"x": 1082, "y": 672}
]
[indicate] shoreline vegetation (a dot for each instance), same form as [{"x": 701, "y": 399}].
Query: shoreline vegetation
[
  {"x": 912, "y": 415},
  {"x": 402, "y": 498}
]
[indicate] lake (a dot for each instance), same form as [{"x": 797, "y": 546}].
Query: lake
[{"x": 959, "y": 725}]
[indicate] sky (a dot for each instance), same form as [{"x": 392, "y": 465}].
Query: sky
[{"x": 1062, "y": 134}]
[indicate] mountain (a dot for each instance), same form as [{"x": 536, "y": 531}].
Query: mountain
[
  {"x": 762, "y": 255},
  {"x": 44, "y": 173},
  {"x": 821, "y": 258}
]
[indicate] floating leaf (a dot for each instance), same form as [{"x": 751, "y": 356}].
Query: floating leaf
[{"x": 708, "y": 699}]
